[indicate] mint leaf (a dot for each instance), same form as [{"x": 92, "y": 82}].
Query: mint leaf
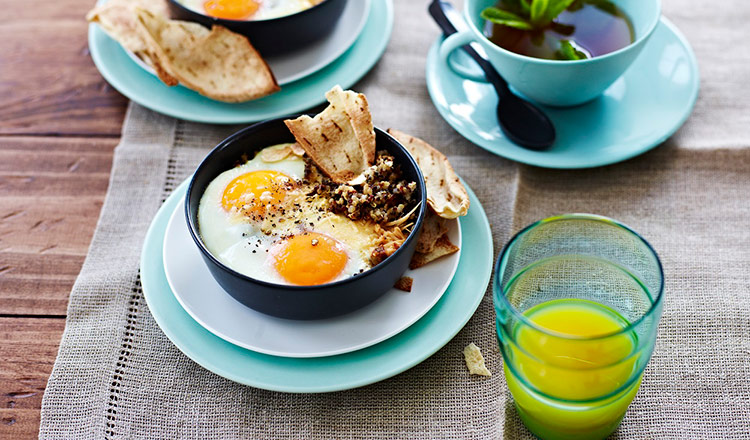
[
  {"x": 538, "y": 12},
  {"x": 556, "y": 7},
  {"x": 492, "y": 14},
  {"x": 526, "y": 6},
  {"x": 505, "y": 18},
  {"x": 529, "y": 14},
  {"x": 569, "y": 53},
  {"x": 520, "y": 7}
]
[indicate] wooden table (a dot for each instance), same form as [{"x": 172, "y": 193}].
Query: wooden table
[{"x": 59, "y": 124}]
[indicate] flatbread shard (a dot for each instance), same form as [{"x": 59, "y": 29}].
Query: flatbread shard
[
  {"x": 475, "y": 361},
  {"x": 341, "y": 138},
  {"x": 118, "y": 19},
  {"x": 443, "y": 247},
  {"x": 445, "y": 192},
  {"x": 218, "y": 63},
  {"x": 433, "y": 227},
  {"x": 358, "y": 110}
]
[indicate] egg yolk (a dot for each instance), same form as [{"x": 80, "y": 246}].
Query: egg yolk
[
  {"x": 256, "y": 188},
  {"x": 309, "y": 259},
  {"x": 231, "y": 9}
]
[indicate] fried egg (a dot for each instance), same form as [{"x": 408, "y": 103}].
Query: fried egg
[
  {"x": 257, "y": 219},
  {"x": 249, "y": 9}
]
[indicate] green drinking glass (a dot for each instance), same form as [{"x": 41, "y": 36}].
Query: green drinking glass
[{"x": 578, "y": 299}]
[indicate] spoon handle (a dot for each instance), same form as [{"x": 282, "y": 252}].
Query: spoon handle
[{"x": 446, "y": 16}]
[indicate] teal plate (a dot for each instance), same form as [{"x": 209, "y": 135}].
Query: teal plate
[
  {"x": 638, "y": 112},
  {"x": 331, "y": 373},
  {"x": 142, "y": 87}
]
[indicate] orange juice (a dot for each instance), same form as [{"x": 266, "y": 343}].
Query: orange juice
[{"x": 575, "y": 378}]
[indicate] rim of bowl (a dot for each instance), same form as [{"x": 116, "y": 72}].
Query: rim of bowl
[
  {"x": 192, "y": 223},
  {"x": 638, "y": 41},
  {"x": 219, "y": 20},
  {"x": 499, "y": 294}
]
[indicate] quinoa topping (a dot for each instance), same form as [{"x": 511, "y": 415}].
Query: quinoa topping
[{"x": 383, "y": 196}]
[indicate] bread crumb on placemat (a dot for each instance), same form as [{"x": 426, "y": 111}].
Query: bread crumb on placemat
[{"x": 475, "y": 361}]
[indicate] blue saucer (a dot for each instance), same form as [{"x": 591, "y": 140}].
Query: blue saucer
[
  {"x": 142, "y": 87},
  {"x": 638, "y": 112},
  {"x": 331, "y": 373}
]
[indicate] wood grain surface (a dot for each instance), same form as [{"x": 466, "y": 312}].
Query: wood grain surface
[
  {"x": 59, "y": 123},
  {"x": 28, "y": 350}
]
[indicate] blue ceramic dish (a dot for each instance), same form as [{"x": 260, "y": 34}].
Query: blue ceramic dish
[
  {"x": 639, "y": 111},
  {"x": 289, "y": 301},
  {"x": 553, "y": 82},
  {"x": 131, "y": 80},
  {"x": 274, "y": 36},
  {"x": 329, "y": 373}
]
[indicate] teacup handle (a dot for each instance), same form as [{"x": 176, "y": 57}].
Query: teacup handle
[{"x": 452, "y": 43}]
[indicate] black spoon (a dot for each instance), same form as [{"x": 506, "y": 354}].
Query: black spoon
[{"x": 521, "y": 121}]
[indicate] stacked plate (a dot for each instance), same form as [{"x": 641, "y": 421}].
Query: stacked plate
[
  {"x": 342, "y": 57},
  {"x": 380, "y": 340},
  {"x": 394, "y": 333}
]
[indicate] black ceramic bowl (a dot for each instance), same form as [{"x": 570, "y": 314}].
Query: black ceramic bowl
[
  {"x": 288, "y": 301},
  {"x": 274, "y": 36}
]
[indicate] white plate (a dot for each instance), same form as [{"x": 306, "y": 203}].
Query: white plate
[
  {"x": 202, "y": 297},
  {"x": 296, "y": 65}
]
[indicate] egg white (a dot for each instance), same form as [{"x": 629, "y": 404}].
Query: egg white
[
  {"x": 228, "y": 235},
  {"x": 241, "y": 243}
]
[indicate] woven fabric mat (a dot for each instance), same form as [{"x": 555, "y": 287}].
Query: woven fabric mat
[{"x": 118, "y": 377}]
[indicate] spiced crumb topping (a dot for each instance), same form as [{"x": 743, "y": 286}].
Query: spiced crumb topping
[{"x": 383, "y": 196}]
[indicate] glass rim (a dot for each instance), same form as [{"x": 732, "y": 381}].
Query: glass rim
[{"x": 499, "y": 294}]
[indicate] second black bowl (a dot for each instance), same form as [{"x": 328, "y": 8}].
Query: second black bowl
[
  {"x": 274, "y": 36},
  {"x": 290, "y": 301}
]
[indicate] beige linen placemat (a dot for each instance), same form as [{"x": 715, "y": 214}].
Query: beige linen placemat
[{"x": 118, "y": 377}]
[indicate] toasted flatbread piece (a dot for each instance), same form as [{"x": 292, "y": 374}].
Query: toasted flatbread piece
[
  {"x": 475, "y": 361},
  {"x": 445, "y": 192},
  {"x": 118, "y": 19},
  {"x": 356, "y": 107},
  {"x": 218, "y": 63},
  {"x": 340, "y": 139},
  {"x": 433, "y": 227},
  {"x": 404, "y": 283},
  {"x": 443, "y": 247}
]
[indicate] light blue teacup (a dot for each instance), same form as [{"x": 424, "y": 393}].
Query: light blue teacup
[{"x": 552, "y": 82}]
